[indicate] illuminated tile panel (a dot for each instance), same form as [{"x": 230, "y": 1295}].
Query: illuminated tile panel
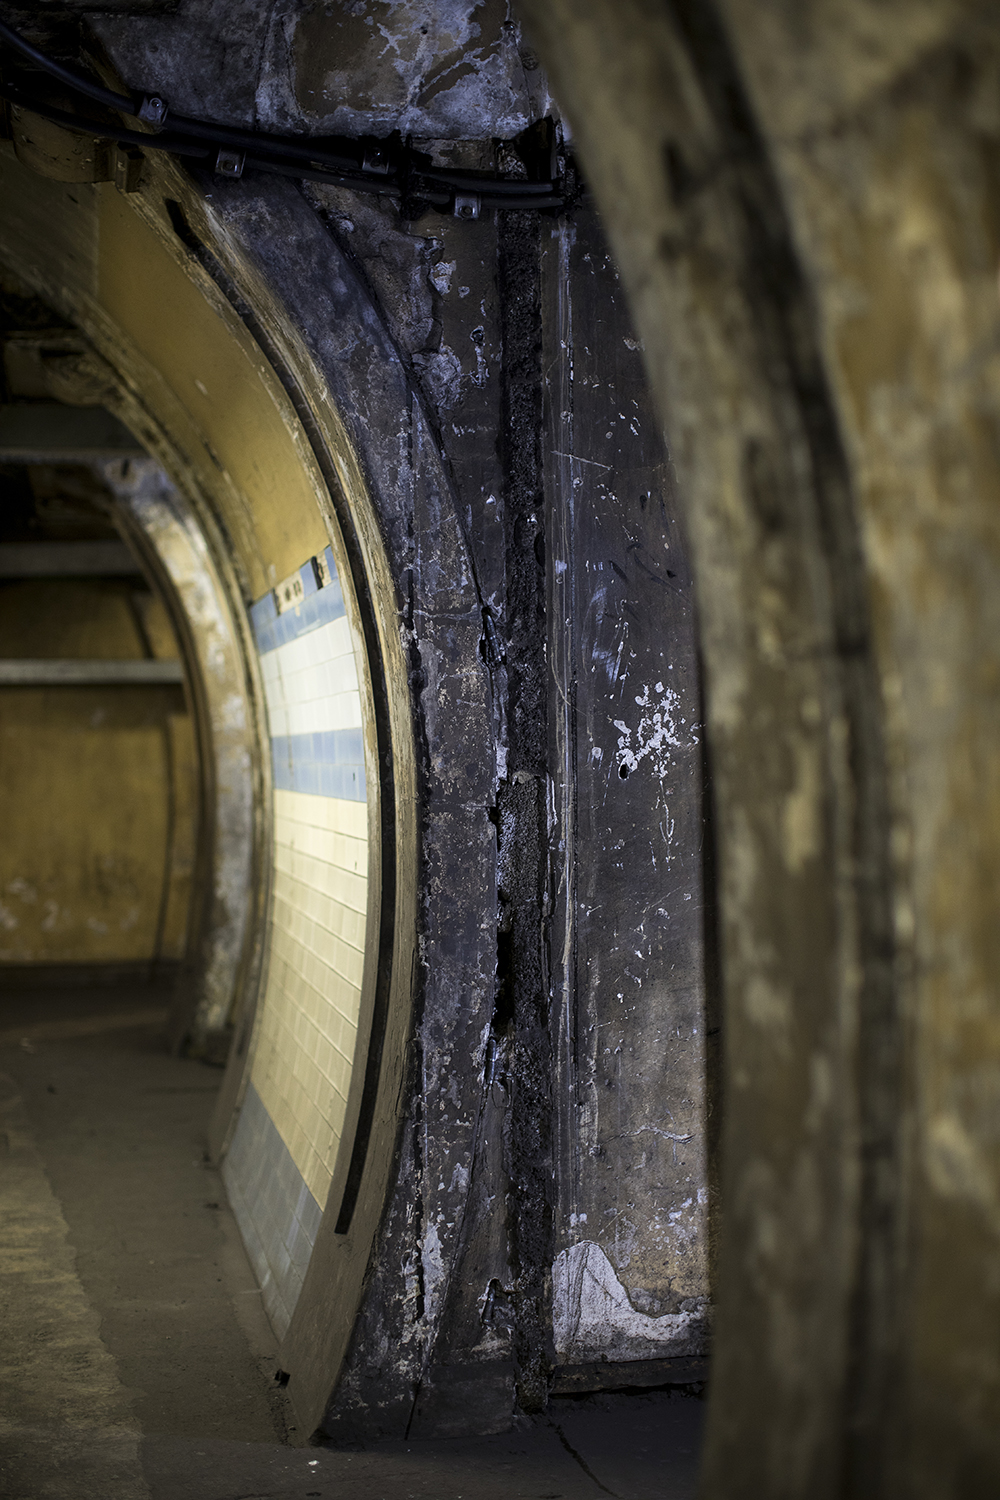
[
  {"x": 277, "y": 1215},
  {"x": 305, "y": 1044},
  {"x": 284, "y": 1150},
  {"x": 311, "y": 684}
]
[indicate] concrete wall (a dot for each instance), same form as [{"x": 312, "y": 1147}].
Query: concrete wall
[
  {"x": 631, "y": 1270},
  {"x": 802, "y": 199}
]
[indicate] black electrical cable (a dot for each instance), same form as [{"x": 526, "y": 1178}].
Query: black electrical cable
[
  {"x": 380, "y": 185},
  {"x": 468, "y": 183},
  {"x": 221, "y": 135},
  {"x": 181, "y": 147},
  {"x": 118, "y": 133},
  {"x": 401, "y": 174},
  {"x": 69, "y": 76},
  {"x": 514, "y": 195},
  {"x": 258, "y": 140}
]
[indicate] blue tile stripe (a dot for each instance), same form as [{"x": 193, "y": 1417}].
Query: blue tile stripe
[
  {"x": 262, "y": 615},
  {"x": 327, "y": 764},
  {"x": 319, "y": 607},
  {"x": 310, "y": 582},
  {"x": 330, "y": 763}
]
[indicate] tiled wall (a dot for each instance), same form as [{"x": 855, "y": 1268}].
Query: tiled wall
[
  {"x": 277, "y": 1214},
  {"x": 284, "y": 1149}
]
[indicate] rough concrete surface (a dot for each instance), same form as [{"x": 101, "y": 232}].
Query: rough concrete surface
[
  {"x": 801, "y": 199},
  {"x": 448, "y": 70},
  {"x": 136, "y": 1360}
]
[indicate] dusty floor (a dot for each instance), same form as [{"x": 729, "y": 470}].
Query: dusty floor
[{"x": 135, "y": 1360}]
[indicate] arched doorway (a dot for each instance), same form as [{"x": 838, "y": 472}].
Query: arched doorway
[{"x": 256, "y": 534}]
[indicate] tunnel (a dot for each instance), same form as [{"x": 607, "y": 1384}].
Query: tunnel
[
  {"x": 498, "y": 615},
  {"x": 383, "y": 536}
]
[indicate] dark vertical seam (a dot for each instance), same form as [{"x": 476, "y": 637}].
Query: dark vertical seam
[{"x": 522, "y": 804}]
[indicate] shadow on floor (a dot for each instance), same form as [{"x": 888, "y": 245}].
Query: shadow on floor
[{"x": 136, "y": 1360}]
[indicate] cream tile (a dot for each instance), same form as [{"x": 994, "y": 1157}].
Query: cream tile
[{"x": 308, "y": 1031}]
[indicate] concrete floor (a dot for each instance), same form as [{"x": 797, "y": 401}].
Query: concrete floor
[{"x": 135, "y": 1360}]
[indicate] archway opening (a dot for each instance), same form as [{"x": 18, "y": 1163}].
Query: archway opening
[
  {"x": 101, "y": 785},
  {"x": 206, "y": 494}
]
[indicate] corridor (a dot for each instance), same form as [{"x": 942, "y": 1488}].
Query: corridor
[{"x": 137, "y": 1360}]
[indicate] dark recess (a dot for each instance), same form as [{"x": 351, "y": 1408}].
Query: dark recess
[{"x": 522, "y": 979}]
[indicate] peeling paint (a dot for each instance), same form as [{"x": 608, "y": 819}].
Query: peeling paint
[
  {"x": 433, "y": 1268},
  {"x": 593, "y": 1316},
  {"x": 441, "y": 371},
  {"x": 441, "y": 274}
]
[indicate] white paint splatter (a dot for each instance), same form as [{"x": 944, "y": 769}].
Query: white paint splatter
[
  {"x": 657, "y": 734},
  {"x": 478, "y": 337}
]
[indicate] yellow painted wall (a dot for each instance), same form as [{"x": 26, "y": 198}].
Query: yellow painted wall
[
  {"x": 221, "y": 381},
  {"x": 97, "y": 785}
]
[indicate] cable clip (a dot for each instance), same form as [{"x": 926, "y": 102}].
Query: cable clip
[
  {"x": 377, "y": 162},
  {"x": 230, "y": 163},
  {"x": 467, "y": 205},
  {"x": 152, "y": 110}
]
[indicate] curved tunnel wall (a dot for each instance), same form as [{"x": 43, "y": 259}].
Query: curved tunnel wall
[
  {"x": 804, "y": 205},
  {"x": 181, "y": 369},
  {"x": 161, "y": 527},
  {"x": 283, "y": 1153}
]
